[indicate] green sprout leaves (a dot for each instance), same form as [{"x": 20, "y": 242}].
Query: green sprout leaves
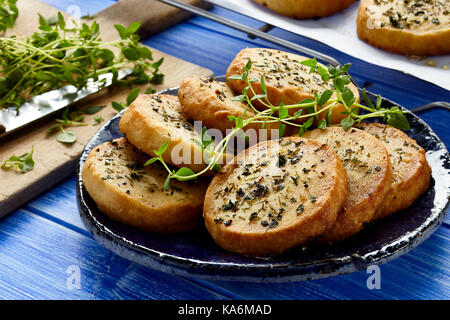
[
  {"x": 397, "y": 119},
  {"x": 182, "y": 174},
  {"x": 324, "y": 97},
  {"x": 8, "y": 14},
  {"x": 161, "y": 149},
  {"x": 20, "y": 164},
  {"x": 312, "y": 63},
  {"x": 74, "y": 118},
  {"x": 66, "y": 136},
  {"x": 393, "y": 116},
  {"x": 58, "y": 55},
  {"x": 132, "y": 95},
  {"x": 347, "y": 123},
  {"x": 309, "y": 113}
]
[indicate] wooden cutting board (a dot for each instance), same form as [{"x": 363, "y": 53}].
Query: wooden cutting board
[{"x": 55, "y": 161}]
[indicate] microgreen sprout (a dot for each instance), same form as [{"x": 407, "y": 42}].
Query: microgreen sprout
[
  {"x": 60, "y": 54},
  {"x": 8, "y": 14},
  {"x": 20, "y": 164}
]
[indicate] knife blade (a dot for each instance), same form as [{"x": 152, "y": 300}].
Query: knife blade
[{"x": 50, "y": 102}]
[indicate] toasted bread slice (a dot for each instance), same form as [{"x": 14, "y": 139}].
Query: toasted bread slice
[
  {"x": 130, "y": 193},
  {"x": 275, "y": 195},
  {"x": 412, "y": 172},
  {"x": 419, "y": 28},
  {"x": 306, "y": 9},
  {"x": 152, "y": 120},
  {"x": 210, "y": 101},
  {"x": 369, "y": 174},
  {"x": 287, "y": 80}
]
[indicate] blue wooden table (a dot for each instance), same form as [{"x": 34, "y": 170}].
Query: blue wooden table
[{"x": 44, "y": 243}]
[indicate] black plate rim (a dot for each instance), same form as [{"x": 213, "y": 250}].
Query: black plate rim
[{"x": 250, "y": 272}]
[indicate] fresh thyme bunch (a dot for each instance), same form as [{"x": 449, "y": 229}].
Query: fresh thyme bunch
[
  {"x": 59, "y": 55},
  {"x": 8, "y": 14},
  {"x": 308, "y": 109}
]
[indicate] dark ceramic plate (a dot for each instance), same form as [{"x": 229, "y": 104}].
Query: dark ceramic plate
[{"x": 196, "y": 255}]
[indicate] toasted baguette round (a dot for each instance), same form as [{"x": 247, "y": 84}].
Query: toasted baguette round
[
  {"x": 306, "y": 9},
  {"x": 405, "y": 27},
  {"x": 369, "y": 174},
  {"x": 130, "y": 193},
  {"x": 412, "y": 172},
  {"x": 209, "y": 101},
  {"x": 289, "y": 83},
  {"x": 152, "y": 120},
  {"x": 275, "y": 195}
]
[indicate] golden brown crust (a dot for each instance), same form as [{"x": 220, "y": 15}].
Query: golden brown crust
[
  {"x": 369, "y": 174},
  {"x": 130, "y": 193},
  {"x": 209, "y": 101},
  {"x": 275, "y": 195},
  {"x": 411, "y": 170},
  {"x": 290, "y": 84},
  {"x": 152, "y": 120},
  {"x": 380, "y": 26},
  {"x": 306, "y": 9}
]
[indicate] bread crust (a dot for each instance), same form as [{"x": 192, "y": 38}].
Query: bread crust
[
  {"x": 130, "y": 193},
  {"x": 369, "y": 174},
  {"x": 291, "y": 84},
  {"x": 390, "y": 33},
  {"x": 209, "y": 101},
  {"x": 411, "y": 171},
  {"x": 274, "y": 196},
  {"x": 152, "y": 120},
  {"x": 306, "y": 9}
]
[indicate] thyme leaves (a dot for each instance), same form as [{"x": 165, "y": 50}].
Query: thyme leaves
[
  {"x": 8, "y": 14},
  {"x": 307, "y": 110},
  {"x": 20, "y": 164},
  {"x": 60, "y": 54}
]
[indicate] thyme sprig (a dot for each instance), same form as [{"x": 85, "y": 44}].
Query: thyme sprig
[
  {"x": 61, "y": 54},
  {"x": 20, "y": 164},
  {"x": 72, "y": 119},
  {"x": 307, "y": 110},
  {"x": 8, "y": 14}
]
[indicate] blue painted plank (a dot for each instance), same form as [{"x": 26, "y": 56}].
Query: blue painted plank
[
  {"x": 405, "y": 278},
  {"x": 60, "y": 206},
  {"x": 35, "y": 254}
]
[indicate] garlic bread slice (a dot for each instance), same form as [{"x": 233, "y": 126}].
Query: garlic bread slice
[
  {"x": 412, "y": 173},
  {"x": 130, "y": 193},
  {"x": 274, "y": 196},
  {"x": 306, "y": 9},
  {"x": 412, "y": 28},
  {"x": 369, "y": 174}
]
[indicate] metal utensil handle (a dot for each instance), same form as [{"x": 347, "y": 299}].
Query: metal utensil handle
[
  {"x": 251, "y": 31},
  {"x": 432, "y": 105}
]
